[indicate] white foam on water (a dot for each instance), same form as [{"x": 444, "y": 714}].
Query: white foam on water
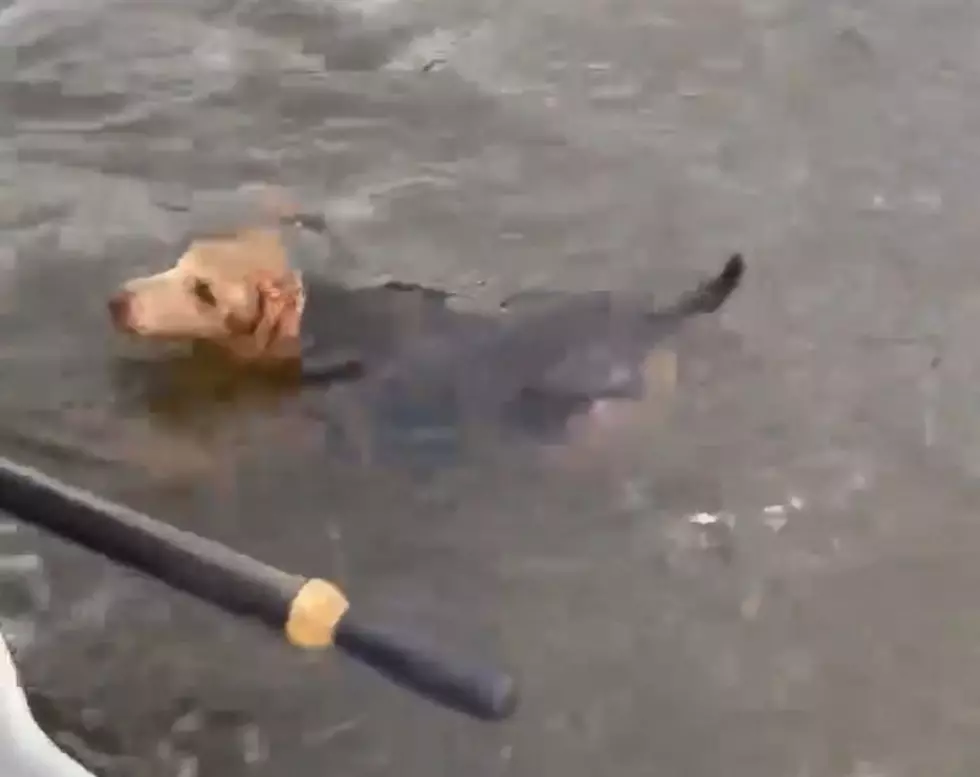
[
  {"x": 427, "y": 50},
  {"x": 365, "y": 7},
  {"x": 17, "y": 13},
  {"x": 24, "y": 21}
]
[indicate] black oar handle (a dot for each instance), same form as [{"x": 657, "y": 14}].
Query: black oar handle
[
  {"x": 311, "y": 613},
  {"x": 479, "y": 691}
]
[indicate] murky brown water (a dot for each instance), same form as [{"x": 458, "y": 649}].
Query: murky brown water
[{"x": 778, "y": 579}]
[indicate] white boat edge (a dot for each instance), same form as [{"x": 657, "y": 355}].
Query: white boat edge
[{"x": 25, "y": 750}]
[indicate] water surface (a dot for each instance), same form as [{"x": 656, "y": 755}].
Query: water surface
[{"x": 778, "y": 578}]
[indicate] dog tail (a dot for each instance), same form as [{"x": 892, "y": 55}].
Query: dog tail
[{"x": 710, "y": 295}]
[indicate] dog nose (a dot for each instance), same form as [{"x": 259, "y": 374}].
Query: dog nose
[{"x": 119, "y": 306}]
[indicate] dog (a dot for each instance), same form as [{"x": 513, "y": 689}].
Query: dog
[{"x": 413, "y": 366}]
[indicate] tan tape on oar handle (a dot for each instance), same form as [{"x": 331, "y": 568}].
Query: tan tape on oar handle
[{"x": 314, "y": 614}]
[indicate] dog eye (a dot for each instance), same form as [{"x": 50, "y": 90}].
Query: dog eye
[{"x": 202, "y": 290}]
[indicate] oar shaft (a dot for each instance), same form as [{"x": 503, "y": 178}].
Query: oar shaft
[{"x": 198, "y": 566}]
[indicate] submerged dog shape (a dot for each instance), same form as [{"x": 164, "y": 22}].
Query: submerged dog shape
[{"x": 533, "y": 370}]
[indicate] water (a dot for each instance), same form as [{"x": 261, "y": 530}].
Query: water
[{"x": 774, "y": 577}]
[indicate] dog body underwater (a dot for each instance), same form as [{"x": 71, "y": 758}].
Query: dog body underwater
[{"x": 532, "y": 371}]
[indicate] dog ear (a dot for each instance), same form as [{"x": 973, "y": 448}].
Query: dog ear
[{"x": 275, "y": 330}]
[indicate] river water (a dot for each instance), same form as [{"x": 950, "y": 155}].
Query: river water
[{"x": 776, "y": 578}]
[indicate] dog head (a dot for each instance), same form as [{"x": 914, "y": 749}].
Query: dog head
[{"x": 237, "y": 293}]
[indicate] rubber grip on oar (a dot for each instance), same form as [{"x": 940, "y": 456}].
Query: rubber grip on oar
[{"x": 479, "y": 691}]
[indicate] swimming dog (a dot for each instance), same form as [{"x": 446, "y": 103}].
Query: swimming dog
[{"x": 415, "y": 366}]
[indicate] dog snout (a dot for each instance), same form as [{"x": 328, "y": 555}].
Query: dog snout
[{"x": 120, "y": 309}]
